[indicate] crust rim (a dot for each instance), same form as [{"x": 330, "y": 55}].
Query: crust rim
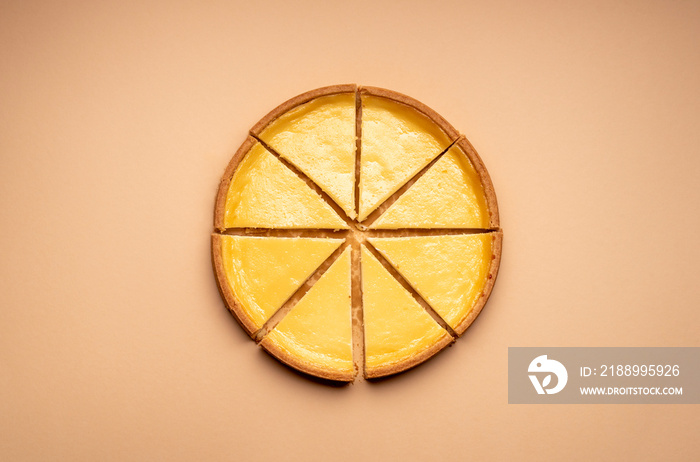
[
  {"x": 439, "y": 120},
  {"x": 298, "y": 100},
  {"x": 306, "y": 367},
  {"x": 496, "y": 250},
  {"x": 485, "y": 179},
  {"x": 413, "y": 361},
  {"x": 225, "y": 183},
  {"x": 225, "y": 290}
]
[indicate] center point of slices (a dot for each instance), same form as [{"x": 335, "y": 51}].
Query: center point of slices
[{"x": 358, "y": 235}]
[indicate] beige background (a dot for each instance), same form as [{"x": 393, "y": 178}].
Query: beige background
[{"x": 118, "y": 118}]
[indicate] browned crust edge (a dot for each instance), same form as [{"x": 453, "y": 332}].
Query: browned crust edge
[
  {"x": 486, "y": 184},
  {"x": 496, "y": 249},
  {"x": 299, "y": 100},
  {"x": 220, "y": 206},
  {"x": 225, "y": 289},
  {"x": 390, "y": 369},
  {"x": 440, "y": 121},
  {"x": 305, "y": 366}
]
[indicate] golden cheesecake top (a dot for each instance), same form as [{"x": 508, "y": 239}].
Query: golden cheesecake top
[{"x": 357, "y": 231}]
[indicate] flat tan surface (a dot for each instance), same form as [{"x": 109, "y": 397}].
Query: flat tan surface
[{"x": 118, "y": 119}]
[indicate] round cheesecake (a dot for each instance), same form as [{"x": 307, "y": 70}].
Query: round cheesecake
[{"x": 356, "y": 232}]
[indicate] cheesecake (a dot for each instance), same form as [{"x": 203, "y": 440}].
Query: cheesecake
[{"x": 355, "y": 232}]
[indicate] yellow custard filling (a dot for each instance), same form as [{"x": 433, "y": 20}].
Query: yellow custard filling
[
  {"x": 449, "y": 272},
  {"x": 396, "y": 327},
  {"x": 448, "y": 195},
  {"x": 397, "y": 142},
  {"x": 319, "y": 138},
  {"x": 264, "y": 272},
  {"x": 318, "y": 330},
  {"x": 265, "y": 194}
]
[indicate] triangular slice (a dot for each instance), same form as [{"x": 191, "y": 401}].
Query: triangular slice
[
  {"x": 261, "y": 273},
  {"x": 397, "y": 142},
  {"x": 263, "y": 193},
  {"x": 452, "y": 273},
  {"x": 399, "y": 333},
  {"x": 316, "y": 336},
  {"x": 449, "y": 195},
  {"x": 319, "y": 138}
]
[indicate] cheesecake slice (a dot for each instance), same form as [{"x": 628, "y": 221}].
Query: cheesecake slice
[
  {"x": 257, "y": 275},
  {"x": 454, "y": 274},
  {"x": 316, "y": 336},
  {"x": 399, "y": 333},
  {"x": 316, "y": 133},
  {"x": 399, "y": 138}
]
